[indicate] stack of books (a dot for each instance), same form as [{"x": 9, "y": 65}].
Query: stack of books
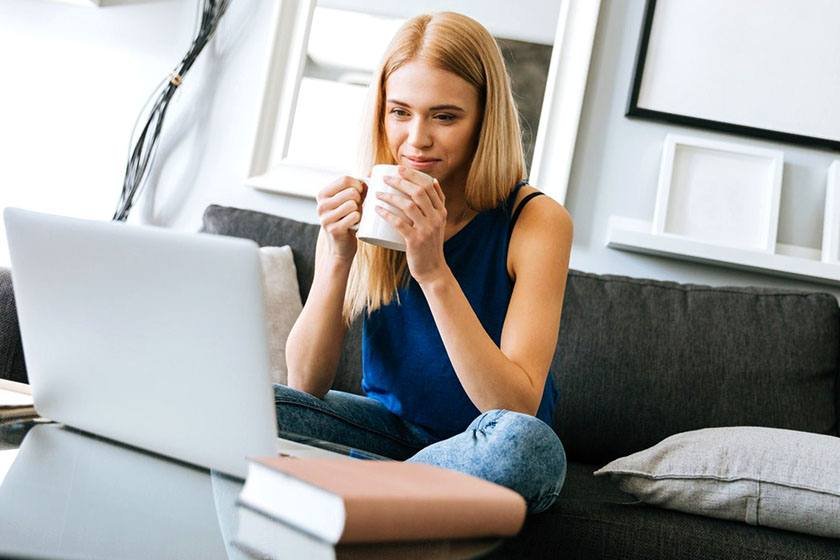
[
  {"x": 15, "y": 401},
  {"x": 294, "y": 507}
]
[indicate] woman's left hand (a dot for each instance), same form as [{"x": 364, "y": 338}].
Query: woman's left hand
[{"x": 419, "y": 215}]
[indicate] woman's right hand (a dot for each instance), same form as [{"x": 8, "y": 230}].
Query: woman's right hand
[{"x": 339, "y": 209}]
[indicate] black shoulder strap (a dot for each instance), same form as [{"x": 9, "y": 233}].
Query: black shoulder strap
[
  {"x": 519, "y": 209},
  {"x": 518, "y": 186}
]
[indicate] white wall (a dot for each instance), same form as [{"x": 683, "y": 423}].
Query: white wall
[
  {"x": 535, "y": 20},
  {"x": 74, "y": 79},
  {"x": 616, "y": 169}
]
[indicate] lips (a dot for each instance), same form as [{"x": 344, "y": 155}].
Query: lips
[
  {"x": 420, "y": 159},
  {"x": 421, "y": 164}
]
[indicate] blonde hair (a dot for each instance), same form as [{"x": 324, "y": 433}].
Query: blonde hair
[{"x": 458, "y": 44}]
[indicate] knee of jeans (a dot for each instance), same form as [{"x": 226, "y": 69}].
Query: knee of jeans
[
  {"x": 284, "y": 393},
  {"x": 524, "y": 425},
  {"x": 538, "y": 441},
  {"x": 281, "y": 390},
  {"x": 486, "y": 421}
]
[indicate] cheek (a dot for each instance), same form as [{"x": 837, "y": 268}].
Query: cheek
[
  {"x": 392, "y": 134},
  {"x": 395, "y": 137},
  {"x": 467, "y": 138}
]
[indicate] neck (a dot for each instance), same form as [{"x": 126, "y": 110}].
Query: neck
[{"x": 457, "y": 210}]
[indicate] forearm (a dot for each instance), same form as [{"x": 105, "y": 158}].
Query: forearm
[
  {"x": 490, "y": 379},
  {"x": 313, "y": 348}
]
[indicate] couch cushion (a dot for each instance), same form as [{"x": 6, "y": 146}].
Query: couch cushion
[
  {"x": 640, "y": 360},
  {"x": 271, "y": 230},
  {"x": 593, "y": 519},
  {"x": 282, "y": 305},
  {"x": 762, "y": 476}
]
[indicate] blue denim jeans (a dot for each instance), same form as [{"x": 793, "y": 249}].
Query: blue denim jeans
[{"x": 515, "y": 450}]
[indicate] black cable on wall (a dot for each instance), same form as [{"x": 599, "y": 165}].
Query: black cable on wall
[{"x": 142, "y": 151}]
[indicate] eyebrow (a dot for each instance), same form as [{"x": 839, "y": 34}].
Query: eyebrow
[{"x": 435, "y": 108}]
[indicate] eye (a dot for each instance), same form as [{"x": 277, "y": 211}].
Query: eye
[
  {"x": 445, "y": 117},
  {"x": 397, "y": 112}
]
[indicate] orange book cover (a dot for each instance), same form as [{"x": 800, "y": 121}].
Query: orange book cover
[{"x": 397, "y": 501}]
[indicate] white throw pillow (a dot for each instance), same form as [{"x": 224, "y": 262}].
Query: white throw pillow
[
  {"x": 282, "y": 304},
  {"x": 763, "y": 476}
]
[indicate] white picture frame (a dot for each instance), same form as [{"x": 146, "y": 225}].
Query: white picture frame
[
  {"x": 831, "y": 220},
  {"x": 271, "y": 171},
  {"x": 719, "y": 193}
]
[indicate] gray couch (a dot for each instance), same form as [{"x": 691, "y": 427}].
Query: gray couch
[{"x": 637, "y": 361}]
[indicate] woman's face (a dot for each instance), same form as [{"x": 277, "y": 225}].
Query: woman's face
[{"x": 431, "y": 121}]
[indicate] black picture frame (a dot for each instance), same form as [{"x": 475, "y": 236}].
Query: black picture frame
[{"x": 634, "y": 110}]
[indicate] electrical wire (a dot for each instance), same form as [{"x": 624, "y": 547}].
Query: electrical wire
[{"x": 142, "y": 150}]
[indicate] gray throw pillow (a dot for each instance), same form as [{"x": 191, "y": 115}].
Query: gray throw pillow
[{"x": 778, "y": 478}]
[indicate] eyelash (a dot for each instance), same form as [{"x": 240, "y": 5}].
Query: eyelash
[{"x": 401, "y": 113}]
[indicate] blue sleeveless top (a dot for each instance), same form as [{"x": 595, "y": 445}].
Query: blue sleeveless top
[{"x": 404, "y": 362}]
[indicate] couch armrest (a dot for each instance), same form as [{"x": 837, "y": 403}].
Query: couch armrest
[{"x": 12, "y": 365}]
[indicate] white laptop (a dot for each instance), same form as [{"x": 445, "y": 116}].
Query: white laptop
[{"x": 147, "y": 336}]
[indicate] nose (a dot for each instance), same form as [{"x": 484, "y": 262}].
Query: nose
[{"x": 419, "y": 134}]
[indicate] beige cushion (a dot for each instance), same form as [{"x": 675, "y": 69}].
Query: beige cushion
[
  {"x": 776, "y": 478},
  {"x": 282, "y": 304}
]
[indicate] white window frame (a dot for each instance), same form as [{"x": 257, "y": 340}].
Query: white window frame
[{"x": 556, "y": 132}]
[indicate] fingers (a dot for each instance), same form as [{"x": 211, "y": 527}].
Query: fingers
[
  {"x": 337, "y": 213},
  {"x": 402, "y": 206},
  {"x": 413, "y": 175},
  {"x": 345, "y": 223},
  {"x": 417, "y": 186},
  {"x": 340, "y": 204},
  {"x": 420, "y": 178},
  {"x": 327, "y": 203},
  {"x": 399, "y": 221},
  {"x": 339, "y": 185}
]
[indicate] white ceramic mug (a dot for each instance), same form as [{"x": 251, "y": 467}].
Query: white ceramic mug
[{"x": 373, "y": 228}]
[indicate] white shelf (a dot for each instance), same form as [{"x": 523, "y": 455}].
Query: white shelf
[{"x": 789, "y": 261}]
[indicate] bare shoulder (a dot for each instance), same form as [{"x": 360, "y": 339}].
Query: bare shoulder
[
  {"x": 543, "y": 230},
  {"x": 540, "y": 212}
]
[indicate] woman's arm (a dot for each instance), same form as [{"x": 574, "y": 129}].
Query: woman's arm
[
  {"x": 511, "y": 376},
  {"x": 314, "y": 345}
]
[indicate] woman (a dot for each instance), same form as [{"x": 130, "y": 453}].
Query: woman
[{"x": 459, "y": 331}]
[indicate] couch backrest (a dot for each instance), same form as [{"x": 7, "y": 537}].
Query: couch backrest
[{"x": 639, "y": 360}]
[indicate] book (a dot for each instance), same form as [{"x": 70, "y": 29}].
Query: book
[
  {"x": 262, "y": 537},
  {"x": 13, "y": 394},
  {"x": 17, "y": 413},
  {"x": 353, "y": 501},
  {"x": 16, "y": 401}
]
